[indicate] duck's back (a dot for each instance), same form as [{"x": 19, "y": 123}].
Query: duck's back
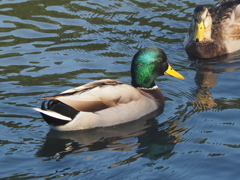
[{"x": 116, "y": 104}]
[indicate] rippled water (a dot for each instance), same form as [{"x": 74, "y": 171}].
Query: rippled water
[{"x": 49, "y": 46}]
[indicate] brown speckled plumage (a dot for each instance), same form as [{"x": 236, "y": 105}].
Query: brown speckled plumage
[{"x": 224, "y": 32}]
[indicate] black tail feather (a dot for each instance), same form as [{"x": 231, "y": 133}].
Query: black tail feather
[
  {"x": 54, "y": 121},
  {"x": 49, "y": 104},
  {"x": 43, "y": 105},
  {"x": 58, "y": 107}
]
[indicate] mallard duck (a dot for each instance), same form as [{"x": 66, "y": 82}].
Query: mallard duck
[
  {"x": 214, "y": 31},
  {"x": 109, "y": 102}
]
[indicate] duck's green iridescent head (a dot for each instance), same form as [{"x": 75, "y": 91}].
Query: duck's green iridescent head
[{"x": 148, "y": 64}]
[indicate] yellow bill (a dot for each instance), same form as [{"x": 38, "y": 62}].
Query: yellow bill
[
  {"x": 171, "y": 72},
  {"x": 199, "y": 31}
]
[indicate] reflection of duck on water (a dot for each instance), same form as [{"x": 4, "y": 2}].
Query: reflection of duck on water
[
  {"x": 60, "y": 144},
  {"x": 206, "y": 78},
  {"x": 94, "y": 139}
]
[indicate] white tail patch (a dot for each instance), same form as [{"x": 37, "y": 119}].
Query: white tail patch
[{"x": 53, "y": 114}]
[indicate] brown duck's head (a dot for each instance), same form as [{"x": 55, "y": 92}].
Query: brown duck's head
[{"x": 202, "y": 23}]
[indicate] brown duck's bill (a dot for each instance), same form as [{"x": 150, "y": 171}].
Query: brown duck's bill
[
  {"x": 199, "y": 31},
  {"x": 171, "y": 72}
]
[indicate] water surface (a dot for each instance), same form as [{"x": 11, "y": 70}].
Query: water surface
[{"x": 47, "y": 47}]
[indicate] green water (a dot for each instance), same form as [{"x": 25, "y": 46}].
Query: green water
[{"x": 47, "y": 47}]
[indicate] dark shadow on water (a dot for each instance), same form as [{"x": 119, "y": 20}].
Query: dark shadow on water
[
  {"x": 206, "y": 78},
  {"x": 154, "y": 140}
]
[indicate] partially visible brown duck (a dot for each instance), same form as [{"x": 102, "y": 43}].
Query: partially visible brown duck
[{"x": 214, "y": 31}]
